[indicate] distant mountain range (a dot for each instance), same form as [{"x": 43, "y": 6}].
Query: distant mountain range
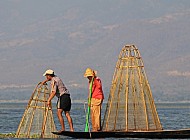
[{"x": 69, "y": 36}]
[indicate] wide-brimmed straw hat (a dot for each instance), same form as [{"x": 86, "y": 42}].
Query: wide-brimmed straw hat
[{"x": 89, "y": 72}]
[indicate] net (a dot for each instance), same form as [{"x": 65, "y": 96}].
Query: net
[
  {"x": 37, "y": 120},
  {"x": 130, "y": 104}
]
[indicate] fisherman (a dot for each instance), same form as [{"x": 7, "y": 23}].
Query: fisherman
[
  {"x": 64, "y": 101},
  {"x": 97, "y": 98}
]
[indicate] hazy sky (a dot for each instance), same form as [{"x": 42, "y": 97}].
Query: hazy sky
[{"x": 69, "y": 36}]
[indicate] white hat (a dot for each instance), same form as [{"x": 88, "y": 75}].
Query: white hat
[{"x": 48, "y": 72}]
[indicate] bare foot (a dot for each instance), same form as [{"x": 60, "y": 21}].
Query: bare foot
[{"x": 60, "y": 131}]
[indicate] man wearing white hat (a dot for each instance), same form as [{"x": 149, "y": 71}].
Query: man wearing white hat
[{"x": 64, "y": 102}]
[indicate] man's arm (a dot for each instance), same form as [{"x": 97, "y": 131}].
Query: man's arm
[
  {"x": 50, "y": 98},
  {"x": 98, "y": 83},
  {"x": 43, "y": 82}
]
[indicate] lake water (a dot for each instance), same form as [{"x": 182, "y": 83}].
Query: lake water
[{"x": 172, "y": 116}]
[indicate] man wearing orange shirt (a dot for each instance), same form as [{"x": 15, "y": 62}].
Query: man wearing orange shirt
[{"x": 96, "y": 100}]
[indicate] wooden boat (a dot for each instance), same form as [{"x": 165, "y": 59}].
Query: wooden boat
[
  {"x": 165, "y": 134},
  {"x": 130, "y": 111}
]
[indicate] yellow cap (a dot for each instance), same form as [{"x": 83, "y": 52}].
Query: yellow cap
[
  {"x": 89, "y": 72},
  {"x": 48, "y": 72}
]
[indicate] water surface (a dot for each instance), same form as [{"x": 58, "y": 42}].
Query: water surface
[{"x": 172, "y": 116}]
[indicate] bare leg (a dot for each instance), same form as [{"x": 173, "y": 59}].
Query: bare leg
[
  {"x": 69, "y": 119},
  {"x": 61, "y": 120}
]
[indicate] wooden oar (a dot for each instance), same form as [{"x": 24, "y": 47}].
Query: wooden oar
[{"x": 87, "y": 128}]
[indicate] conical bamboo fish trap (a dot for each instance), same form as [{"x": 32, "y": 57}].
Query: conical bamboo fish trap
[
  {"x": 130, "y": 105},
  {"x": 37, "y": 120}
]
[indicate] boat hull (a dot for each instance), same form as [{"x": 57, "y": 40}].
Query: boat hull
[{"x": 173, "y": 134}]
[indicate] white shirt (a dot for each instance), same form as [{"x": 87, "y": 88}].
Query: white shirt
[{"x": 58, "y": 86}]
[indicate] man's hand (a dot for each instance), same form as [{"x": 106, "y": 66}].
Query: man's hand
[
  {"x": 52, "y": 94},
  {"x": 48, "y": 103},
  {"x": 43, "y": 82}
]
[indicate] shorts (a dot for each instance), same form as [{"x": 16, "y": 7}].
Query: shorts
[{"x": 64, "y": 102}]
